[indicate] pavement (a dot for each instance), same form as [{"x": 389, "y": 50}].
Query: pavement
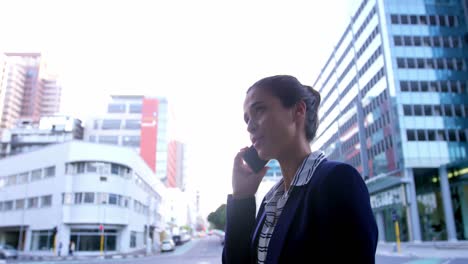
[
  {"x": 96, "y": 256},
  {"x": 129, "y": 255},
  {"x": 436, "y": 249}
]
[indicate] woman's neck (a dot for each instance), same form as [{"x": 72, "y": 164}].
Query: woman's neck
[{"x": 291, "y": 161}]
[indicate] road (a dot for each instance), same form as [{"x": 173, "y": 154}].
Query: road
[{"x": 208, "y": 250}]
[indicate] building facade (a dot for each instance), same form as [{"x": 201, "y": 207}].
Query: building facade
[
  {"x": 395, "y": 106},
  {"x": 81, "y": 192},
  {"x": 28, "y": 135},
  {"x": 140, "y": 123},
  {"x": 27, "y": 90},
  {"x": 51, "y": 95},
  {"x": 11, "y": 93}
]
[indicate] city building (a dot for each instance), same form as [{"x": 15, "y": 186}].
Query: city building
[
  {"x": 11, "y": 93},
  {"x": 28, "y": 135},
  {"x": 3, "y": 84},
  {"x": 28, "y": 89},
  {"x": 80, "y": 192},
  {"x": 176, "y": 169},
  {"x": 142, "y": 124},
  {"x": 51, "y": 95},
  {"x": 395, "y": 106}
]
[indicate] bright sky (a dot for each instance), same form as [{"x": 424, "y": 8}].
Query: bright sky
[{"x": 202, "y": 54}]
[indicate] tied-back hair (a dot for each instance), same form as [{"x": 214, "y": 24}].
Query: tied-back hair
[{"x": 290, "y": 91}]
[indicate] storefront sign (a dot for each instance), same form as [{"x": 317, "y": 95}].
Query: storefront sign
[{"x": 389, "y": 197}]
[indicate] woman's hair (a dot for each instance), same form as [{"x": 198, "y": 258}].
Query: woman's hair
[{"x": 290, "y": 91}]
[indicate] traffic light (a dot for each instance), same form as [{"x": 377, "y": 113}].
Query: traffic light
[{"x": 54, "y": 231}]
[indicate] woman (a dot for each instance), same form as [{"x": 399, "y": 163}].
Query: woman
[{"x": 319, "y": 212}]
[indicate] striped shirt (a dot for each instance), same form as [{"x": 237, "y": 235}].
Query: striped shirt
[{"x": 276, "y": 199}]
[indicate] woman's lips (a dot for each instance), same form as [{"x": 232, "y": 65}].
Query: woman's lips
[{"x": 256, "y": 141}]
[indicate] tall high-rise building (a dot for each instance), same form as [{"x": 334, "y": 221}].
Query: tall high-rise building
[
  {"x": 27, "y": 89},
  {"x": 140, "y": 123},
  {"x": 395, "y": 105},
  {"x": 11, "y": 93},
  {"x": 176, "y": 170},
  {"x": 51, "y": 94}
]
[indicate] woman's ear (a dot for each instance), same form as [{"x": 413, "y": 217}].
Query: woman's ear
[{"x": 300, "y": 109}]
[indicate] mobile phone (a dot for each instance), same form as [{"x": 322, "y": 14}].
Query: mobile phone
[{"x": 253, "y": 160}]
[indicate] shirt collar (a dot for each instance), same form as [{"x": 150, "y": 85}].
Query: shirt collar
[{"x": 303, "y": 175}]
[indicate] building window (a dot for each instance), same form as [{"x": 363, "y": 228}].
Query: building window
[
  {"x": 102, "y": 198},
  {"x": 42, "y": 240},
  {"x": 132, "y": 124},
  {"x": 36, "y": 175},
  {"x": 89, "y": 239},
  {"x": 124, "y": 201},
  {"x": 417, "y": 110},
  {"x": 407, "y": 110},
  {"x": 411, "y": 135},
  {"x": 135, "y": 108},
  {"x": 113, "y": 199},
  {"x": 131, "y": 141},
  {"x": 440, "y": 135},
  {"x": 88, "y": 197},
  {"x": 46, "y": 201},
  {"x": 33, "y": 202},
  {"x": 8, "y": 205},
  {"x": 49, "y": 172},
  {"x": 111, "y": 124},
  {"x": 76, "y": 168},
  {"x": 91, "y": 167},
  {"x": 421, "y": 135},
  {"x": 109, "y": 140},
  {"x": 19, "y": 204},
  {"x": 452, "y": 135},
  {"x": 397, "y": 40},
  {"x": 78, "y": 198},
  {"x": 67, "y": 198},
  {"x": 116, "y": 108},
  {"x": 132, "y": 239},
  {"x": 431, "y": 20},
  {"x": 11, "y": 180},
  {"x": 23, "y": 178},
  {"x": 462, "y": 136}
]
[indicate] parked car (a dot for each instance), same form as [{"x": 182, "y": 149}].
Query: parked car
[
  {"x": 8, "y": 252},
  {"x": 177, "y": 240},
  {"x": 167, "y": 245}
]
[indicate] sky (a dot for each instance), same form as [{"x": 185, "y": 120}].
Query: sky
[{"x": 202, "y": 55}]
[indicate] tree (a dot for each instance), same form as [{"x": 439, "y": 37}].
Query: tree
[{"x": 218, "y": 217}]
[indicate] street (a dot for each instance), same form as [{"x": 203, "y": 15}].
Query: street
[{"x": 208, "y": 250}]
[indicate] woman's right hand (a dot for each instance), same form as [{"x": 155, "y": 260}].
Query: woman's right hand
[{"x": 245, "y": 181}]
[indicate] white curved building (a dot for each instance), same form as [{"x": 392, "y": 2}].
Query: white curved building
[{"x": 86, "y": 191}]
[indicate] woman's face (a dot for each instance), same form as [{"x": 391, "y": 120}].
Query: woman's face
[{"x": 271, "y": 126}]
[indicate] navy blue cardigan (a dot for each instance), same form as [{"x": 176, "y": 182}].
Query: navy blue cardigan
[{"x": 328, "y": 220}]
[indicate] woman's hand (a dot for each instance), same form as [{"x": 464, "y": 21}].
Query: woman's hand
[{"x": 245, "y": 181}]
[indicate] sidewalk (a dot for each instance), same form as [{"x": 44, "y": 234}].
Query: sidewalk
[
  {"x": 437, "y": 249},
  {"x": 134, "y": 254}
]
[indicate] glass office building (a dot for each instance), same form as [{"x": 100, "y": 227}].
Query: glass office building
[{"x": 395, "y": 106}]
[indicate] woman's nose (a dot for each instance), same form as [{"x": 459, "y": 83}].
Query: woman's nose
[{"x": 251, "y": 126}]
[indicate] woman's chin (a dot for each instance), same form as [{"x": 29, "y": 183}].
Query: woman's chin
[{"x": 263, "y": 155}]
